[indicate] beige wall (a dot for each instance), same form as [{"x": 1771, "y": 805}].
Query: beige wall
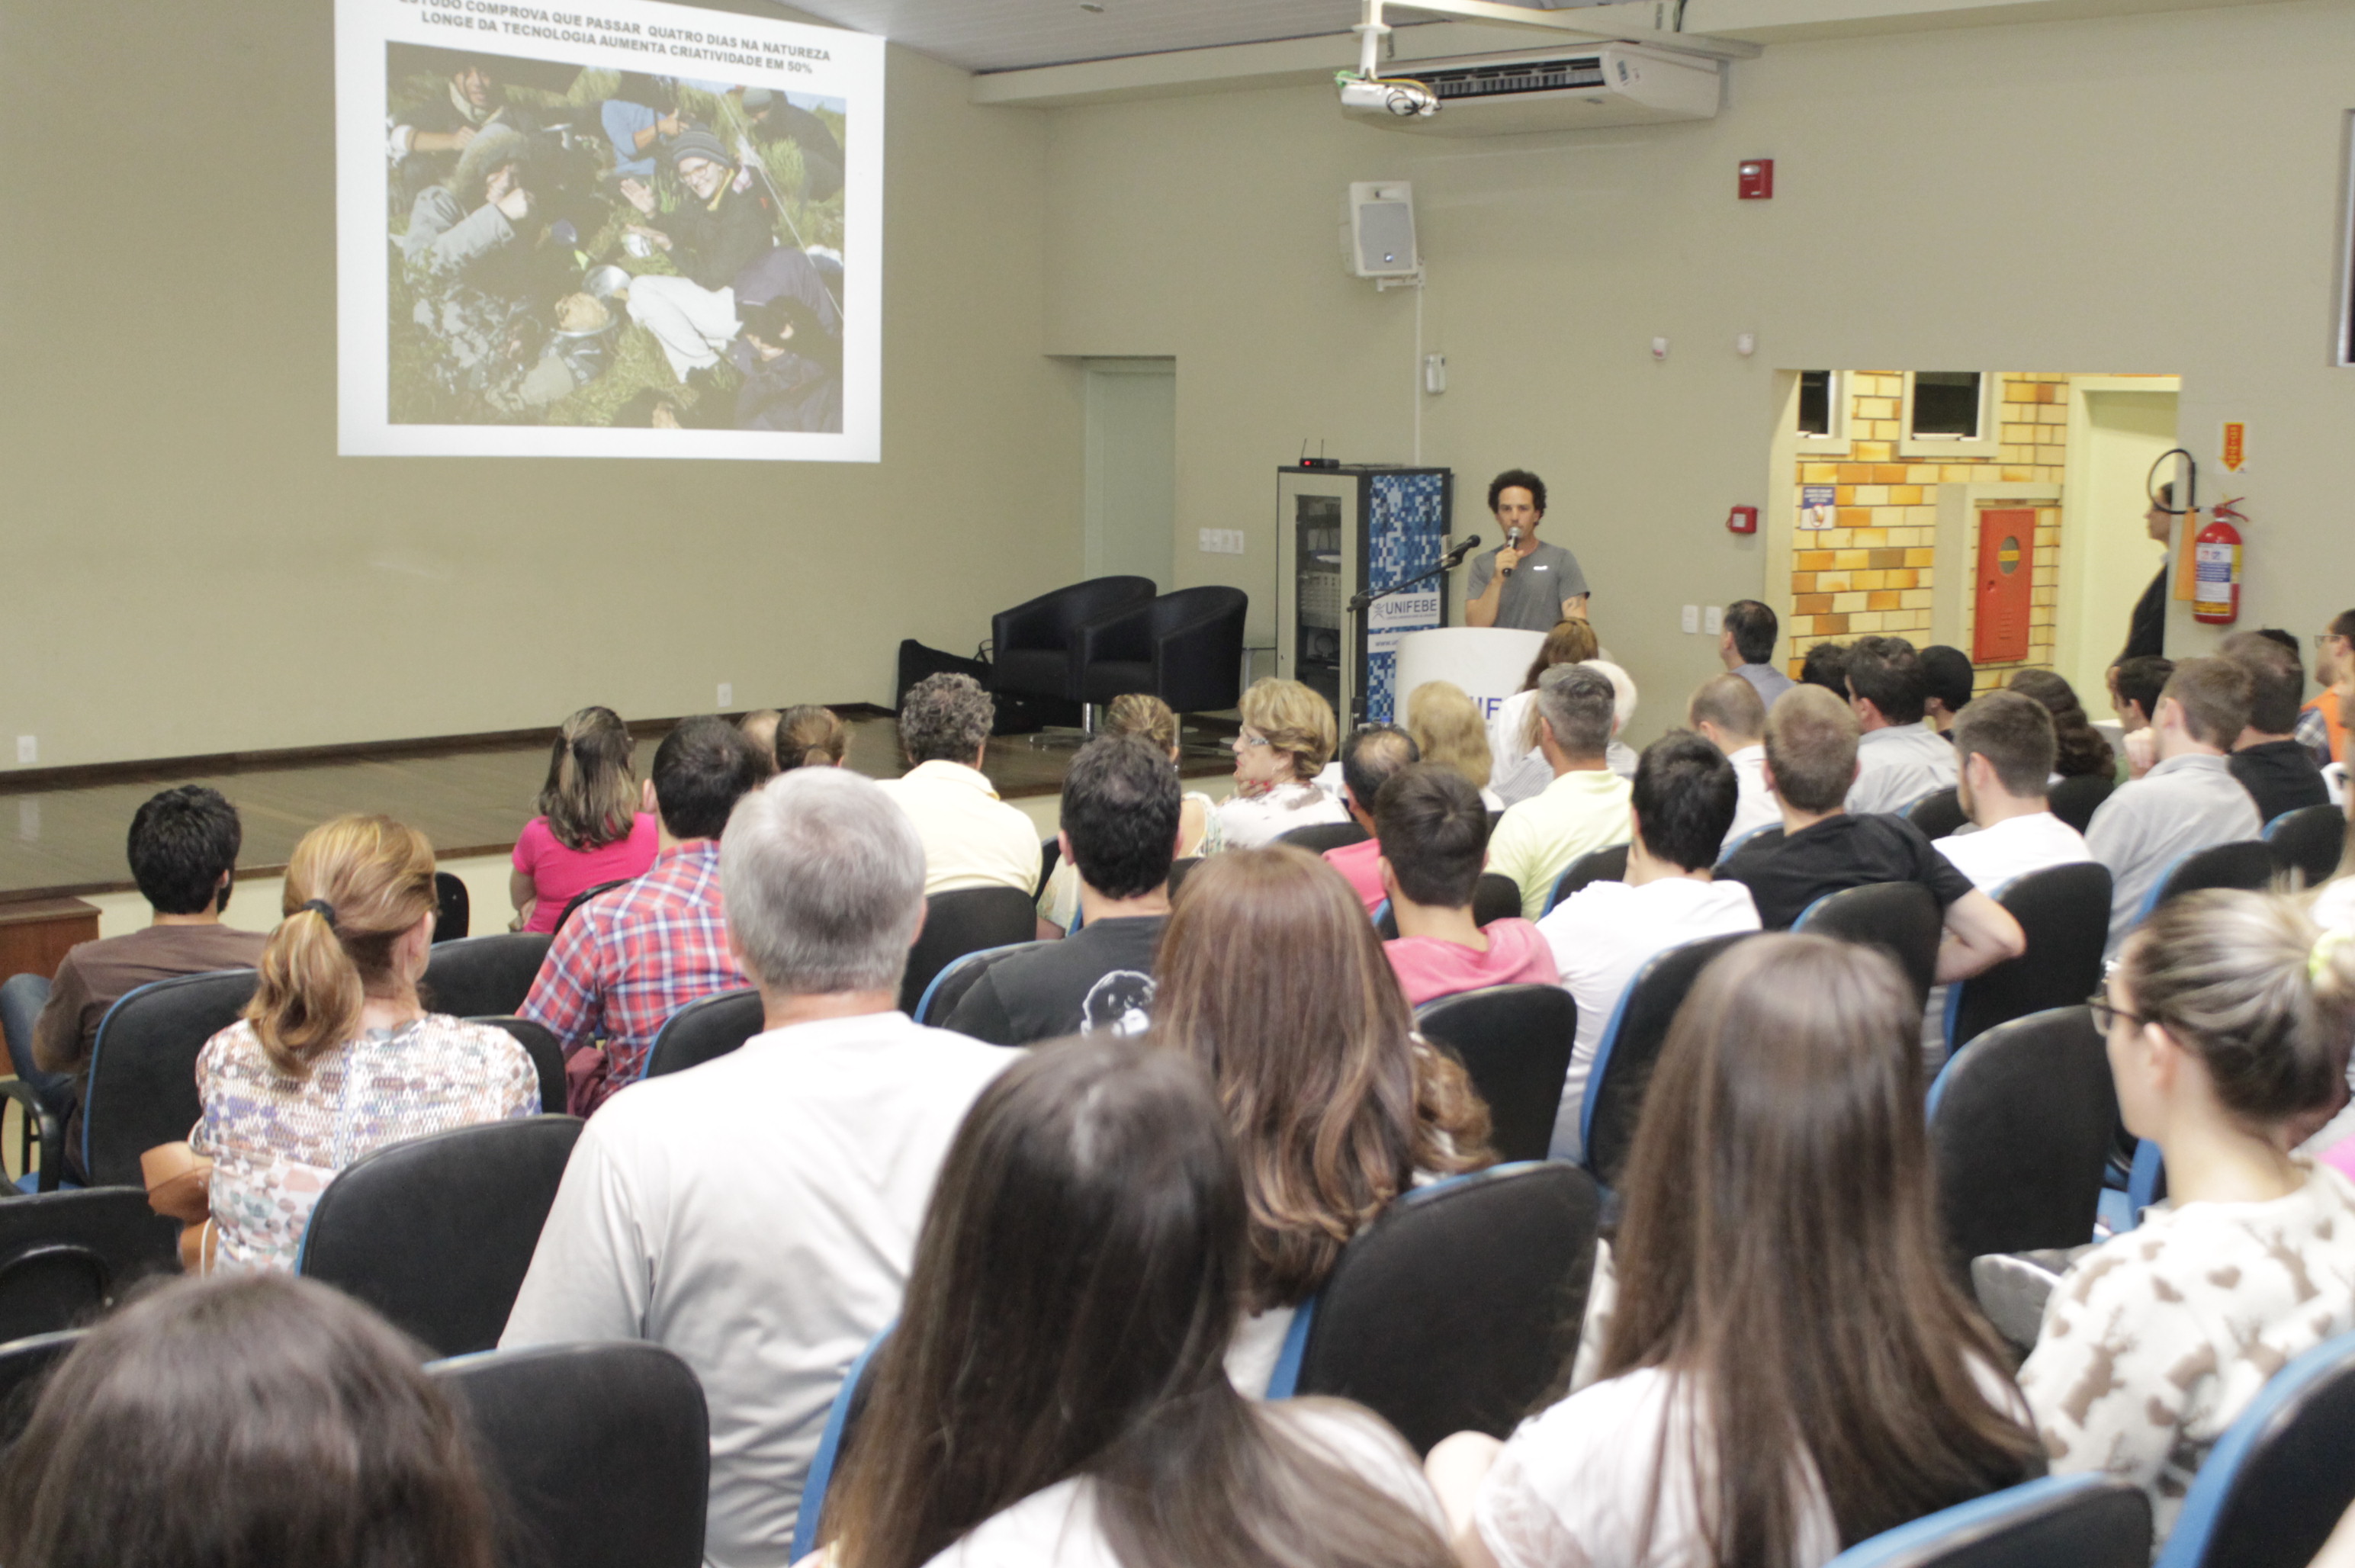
[
  {"x": 191, "y": 569},
  {"x": 2151, "y": 195}
]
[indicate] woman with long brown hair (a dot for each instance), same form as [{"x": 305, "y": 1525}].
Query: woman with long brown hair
[
  {"x": 1055, "y": 1390},
  {"x": 1271, "y": 977},
  {"x": 591, "y": 827},
  {"x": 1778, "y": 1365},
  {"x": 2082, "y": 748},
  {"x": 1517, "y": 771},
  {"x": 336, "y": 1054},
  {"x": 247, "y": 1420}
]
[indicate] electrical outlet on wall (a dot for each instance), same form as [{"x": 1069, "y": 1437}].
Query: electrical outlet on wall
[
  {"x": 1713, "y": 619},
  {"x": 1689, "y": 618},
  {"x": 28, "y": 749},
  {"x": 1221, "y": 541},
  {"x": 727, "y": 695}
]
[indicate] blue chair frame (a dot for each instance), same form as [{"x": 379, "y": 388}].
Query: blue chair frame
[
  {"x": 810, "y": 1514},
  {"x": 2193, "y": 1541},
  {"x": 1932, "y": 1539}
]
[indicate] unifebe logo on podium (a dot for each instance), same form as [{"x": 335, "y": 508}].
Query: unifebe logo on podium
[{"x": 614, "y": 230}]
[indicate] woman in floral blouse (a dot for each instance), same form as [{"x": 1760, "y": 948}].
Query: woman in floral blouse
[{"x": 336, "y": 1055}]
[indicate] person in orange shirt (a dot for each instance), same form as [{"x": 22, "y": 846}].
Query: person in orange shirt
[{"x": 2320, "y": 727}]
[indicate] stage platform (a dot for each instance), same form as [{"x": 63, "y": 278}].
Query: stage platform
[{"x": 63, "y": 830}]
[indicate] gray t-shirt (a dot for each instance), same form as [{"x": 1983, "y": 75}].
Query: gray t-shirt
[{"x": 1533, "y": 593}]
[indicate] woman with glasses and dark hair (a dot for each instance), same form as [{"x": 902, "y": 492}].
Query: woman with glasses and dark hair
[
  {"x": 1776, "y": 1362},
  {"x": 2229, "y": 1015},
  {"x": 1055, "y": 1392}
]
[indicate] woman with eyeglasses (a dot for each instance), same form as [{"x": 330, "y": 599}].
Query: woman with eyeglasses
[
  {"x": 2229, "y": 1017},
  {"x": 2322, "y": 724},
  {"x": 1287, "y": 737}
]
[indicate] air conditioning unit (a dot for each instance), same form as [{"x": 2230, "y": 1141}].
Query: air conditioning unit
[{"x": 1555, "y": 90}]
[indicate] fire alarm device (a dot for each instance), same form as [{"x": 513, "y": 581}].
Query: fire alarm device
[
  {"x": 1741, "y": 520},
  {"x": 1757, "y": 179}
]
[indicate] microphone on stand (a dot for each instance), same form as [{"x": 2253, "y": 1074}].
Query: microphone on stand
[{"x": 1456, "y": 555}]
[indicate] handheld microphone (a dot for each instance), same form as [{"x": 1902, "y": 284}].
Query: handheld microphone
[{"x": 1513, "y": 537}]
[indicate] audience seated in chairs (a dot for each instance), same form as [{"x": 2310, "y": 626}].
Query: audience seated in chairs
[
  {"x": 2279, "y": 773},
  {"x": 1947, "y": 680},
  {"x": 1899, "y": 758},
  {"x": 2005, "y": 745},
  {"x": 1736, "y": 725},
  {"x": 759, "y": 729},
  {"x": 1285, "y": 739},
  {"x": 756, "y": 1214},
  {"x": 808, "y": 736},
  {"x": 1372, "y": 755},
  {"x": 2183, "y": 795},
  {"x": 971, "y": 839},
  {"x": 630, "y": 958},
  {"x": 1745, "y": 645},
  {"x": 1149, "y": 719},
  {"x": 1603, "y": 935},
  {"x": 1271, "y": 977},
  {"x": 1431, "y": 842},
  {"x": 248, "y": 1419},
  {"x": 2321, "y": 725},
  {"x": 2229, "y": 1015},
  {"x": 1774, "y": 1361},
  {"x": 1619, "y": 756},
  {"x": 1085, "y": 1246},
  {"x": 336, "y": 1055},
  {"x": 2134, "y": 686},
  {"x": 1449, "y": 732},
  {"x": 184, "y": 845},
  {"x": 2079, "y": 750},
  {"x": 1517, "y": 768},
  {"x": 1585, "y": 808},
  {"x": 593, "y": 825},
  {"x": 1120, "y": 829},
  {"x": 1821, "y": 848},
  {"x": 1826, "y": 665}
]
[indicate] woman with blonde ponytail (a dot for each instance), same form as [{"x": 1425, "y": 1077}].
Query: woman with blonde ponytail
[
  {"x": 336, "y": 1054},
  {"x": 2229, "y": 1017}
]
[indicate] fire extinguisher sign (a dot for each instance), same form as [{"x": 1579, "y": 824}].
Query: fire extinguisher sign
[{"x": 2233, "y": 449}]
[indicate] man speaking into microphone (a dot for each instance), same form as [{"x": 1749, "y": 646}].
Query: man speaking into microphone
[{"x": 1522, "y": 583}]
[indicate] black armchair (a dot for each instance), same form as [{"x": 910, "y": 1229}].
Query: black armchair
[
  {"x": 1185, "y": 648},
  {"x": 1036, "y": 645}
]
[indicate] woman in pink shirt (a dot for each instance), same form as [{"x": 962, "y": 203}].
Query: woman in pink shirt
[
  {"x": 589, "y": 830},
  {"x": 1434, "y": 834}
]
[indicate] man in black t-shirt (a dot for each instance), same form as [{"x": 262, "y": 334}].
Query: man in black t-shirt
[
  {"x": 1121, "y": 805},
  {"x": 1811, "y": 738},
  {"x": 2279, "y": 773}
]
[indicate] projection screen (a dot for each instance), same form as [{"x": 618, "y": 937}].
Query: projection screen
[{"x": 636, "y": 230}]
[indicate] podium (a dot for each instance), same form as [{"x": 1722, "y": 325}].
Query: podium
[
  {"x": 1349, "y": 530},
  {"x": 1488, "y": 662}
]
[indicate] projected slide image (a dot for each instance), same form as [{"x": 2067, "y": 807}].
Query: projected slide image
[{"x": 648, "y": 232}]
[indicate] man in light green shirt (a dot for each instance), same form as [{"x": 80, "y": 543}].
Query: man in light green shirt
[{"x": 1584, "y": 808}]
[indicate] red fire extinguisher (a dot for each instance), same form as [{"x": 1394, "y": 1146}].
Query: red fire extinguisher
[{"x": 2216, "y": 568}]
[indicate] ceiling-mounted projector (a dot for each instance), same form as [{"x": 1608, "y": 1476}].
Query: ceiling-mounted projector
[
  {"x": 1401, "y": 99},
  {"x": 1562, "y": 89}
]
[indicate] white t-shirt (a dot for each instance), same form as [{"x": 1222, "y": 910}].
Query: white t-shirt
[
  {"x": 1601, "y": 934},
  {"x": 1057, "y": 1527},
  {"x": 1518, "y": 770},
  {"x": 1991, "y": 856},
  {"x": 1755, "y": 808}
]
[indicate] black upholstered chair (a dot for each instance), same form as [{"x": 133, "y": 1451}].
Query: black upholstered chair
[
  {"x": 2308, "y": 841},
  {"x": 1036, "y": 645},
  {"x": 436, "y": 1233},
  {"x": 45, "y": 1098},
  {"x": 1494, "y": 896},
  {"x": 1179, "y": 869},
  {"x": 1903, "y": 918},
  {"x": 572, "y": 905},
  {"x": 1319, "y": 836},
  {"x": 66, "y": 1256},
  {"x": 1185, "y": 648},
  {"x": 2021, "y": 1123},
  {"x": 24, "y": 1366},
  {"x": 142, "y": 1069},
  {"x": 2064, "y": 912},
  {"x": 2277, "y": 1482},
  {"x": 452, "y": 909},
  {"x": 963, "y": 920},
  {"x": 2076, "y": 798},
  {"x": 484, "y": 976},
  {"x": 1607, "y": 865},
  {"x": 1515, "y": 1042},
  {"x": 948, "y": 987},
  {"x": 706, "y": 1029},
  {"x": 602, "y": 1454},
  {"x": 2244, "y": 863},
  {"x": 1629, "y": 1050},
  {"x": 1050, "y": 855},
  {"x": 547, "y": 1056},
  {"x": 1459, "y": 1307},
  {"x": 2085, "y": 1520},
  {"x": 1938, "y": 812}
]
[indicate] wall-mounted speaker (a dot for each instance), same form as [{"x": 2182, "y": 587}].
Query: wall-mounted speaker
[{"x": 1378, "y": 230}]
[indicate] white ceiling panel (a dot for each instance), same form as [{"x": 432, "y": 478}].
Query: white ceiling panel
[{"x": 1010, "y": 35}]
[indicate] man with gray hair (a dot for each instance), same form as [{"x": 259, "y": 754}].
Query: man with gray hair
[
  {"x": 1585, "y": 808},
  {"x": 971, "y": 839},
  {"x": 757, "y": 1215}
]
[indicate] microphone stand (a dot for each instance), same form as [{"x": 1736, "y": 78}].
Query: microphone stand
[{"x": 1357, "y": 607}]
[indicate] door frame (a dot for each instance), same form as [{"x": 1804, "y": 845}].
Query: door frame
[{"x": 2068, "y": 620}]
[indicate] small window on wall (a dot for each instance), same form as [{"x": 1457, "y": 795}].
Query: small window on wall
[
  {"x": 1821, "y": 422},
  {"x": 1948, "y": 414}
]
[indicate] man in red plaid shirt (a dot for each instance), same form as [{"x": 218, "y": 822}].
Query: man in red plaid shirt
[{"x": 628, "y": 959}]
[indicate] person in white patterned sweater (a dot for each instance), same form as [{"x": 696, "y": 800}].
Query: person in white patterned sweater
[{"x": 2229, "y": 1018}]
